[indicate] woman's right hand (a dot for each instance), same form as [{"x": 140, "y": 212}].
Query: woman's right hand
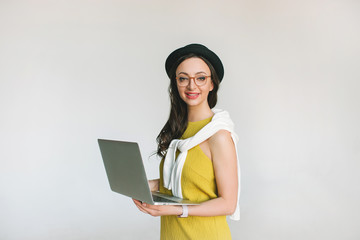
[{"x": 154, "y": 185}]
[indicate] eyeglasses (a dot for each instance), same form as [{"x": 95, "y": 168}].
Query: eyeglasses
[{"x": 184, "y": 80}]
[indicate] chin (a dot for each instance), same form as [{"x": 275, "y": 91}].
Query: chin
[{"x": 193, "y": 103}]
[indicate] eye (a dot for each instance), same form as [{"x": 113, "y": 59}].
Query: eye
[
  {"x": 182, "y": 79},
  {"x": 201, "y": 78}
]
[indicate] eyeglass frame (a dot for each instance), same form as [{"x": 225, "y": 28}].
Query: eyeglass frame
[{"x": 206, "y": 77}]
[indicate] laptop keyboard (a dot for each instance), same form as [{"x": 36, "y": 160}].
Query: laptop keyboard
[{"x": 160, "y": 199}]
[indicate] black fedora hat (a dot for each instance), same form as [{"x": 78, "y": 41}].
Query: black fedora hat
[{"x": 197, "y": 49}]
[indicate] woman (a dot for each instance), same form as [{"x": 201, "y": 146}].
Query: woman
[{"x": 198, "y": 150}]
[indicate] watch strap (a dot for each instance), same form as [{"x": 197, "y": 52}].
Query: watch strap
[{"x": 185, "y": 212}]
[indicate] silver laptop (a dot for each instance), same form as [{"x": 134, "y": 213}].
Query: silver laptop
[{"x": 126, "y": 173}]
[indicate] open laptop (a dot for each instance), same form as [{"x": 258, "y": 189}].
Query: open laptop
[{"x": 126, "y": 173}]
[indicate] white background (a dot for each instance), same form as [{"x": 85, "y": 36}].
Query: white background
[{"x": 75, "y": 71}]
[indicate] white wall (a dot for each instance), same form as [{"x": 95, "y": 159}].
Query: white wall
[{"x": 74, "y": 71}]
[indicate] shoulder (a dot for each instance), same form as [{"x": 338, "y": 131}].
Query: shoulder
[
  {"x": 222, "y": 148},
  {"x": 220, "y": 139}
]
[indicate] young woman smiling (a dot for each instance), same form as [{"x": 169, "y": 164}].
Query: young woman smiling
[{"x": 198, "y": 150}]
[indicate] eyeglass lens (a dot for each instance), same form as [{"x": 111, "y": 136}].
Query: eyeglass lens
[{"x": 184, "y": 80}]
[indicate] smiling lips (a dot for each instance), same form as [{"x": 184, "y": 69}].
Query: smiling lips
[{"x": 192, "y": 95}]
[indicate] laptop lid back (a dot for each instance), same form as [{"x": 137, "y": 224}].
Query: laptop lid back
[{"x": 125, "y": 169}]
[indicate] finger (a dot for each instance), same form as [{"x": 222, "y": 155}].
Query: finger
[
  {"x": 136, "y": 201},
  {"x": 148, "y": 209},
  {"x": 144, "y": 206},
  {"x": 149, "y": 206},
  {"x": 141, "y": 208}
]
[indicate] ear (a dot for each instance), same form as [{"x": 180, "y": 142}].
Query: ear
[{"x": 212, "y": 86}]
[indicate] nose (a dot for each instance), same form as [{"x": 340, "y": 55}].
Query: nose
[{"x": 191, "y": 84}]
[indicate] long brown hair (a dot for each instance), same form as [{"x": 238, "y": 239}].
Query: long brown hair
[{"x": 178, "y": 118}]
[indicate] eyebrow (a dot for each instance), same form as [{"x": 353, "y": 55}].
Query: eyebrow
[{"x": 195, "y": 73}]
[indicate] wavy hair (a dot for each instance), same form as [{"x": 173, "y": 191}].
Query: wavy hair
[{"x": 178, "y": 118}]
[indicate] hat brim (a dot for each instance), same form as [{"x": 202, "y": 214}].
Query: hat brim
[{"x": 199, "y": 50}]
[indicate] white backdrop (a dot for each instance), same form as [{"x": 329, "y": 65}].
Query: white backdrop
[{"x": 75, "y": 71}]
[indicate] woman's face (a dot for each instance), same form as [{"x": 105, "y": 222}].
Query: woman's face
[{"x": 194, "y": 94}]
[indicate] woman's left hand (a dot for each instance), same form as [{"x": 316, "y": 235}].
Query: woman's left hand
[{"x": 158, "y": 210}]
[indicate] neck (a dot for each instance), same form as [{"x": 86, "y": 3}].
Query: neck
[{"x": 198, "y": 113}]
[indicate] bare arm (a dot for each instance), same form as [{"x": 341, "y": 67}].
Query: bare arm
[
  {"x": 154, "y": 185},
  {"x": 223, "y": 155}
]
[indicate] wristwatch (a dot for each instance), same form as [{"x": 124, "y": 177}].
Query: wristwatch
[{"x": 185, "y": 212}]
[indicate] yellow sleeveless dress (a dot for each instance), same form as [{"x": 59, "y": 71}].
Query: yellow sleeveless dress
[{"x": 198, "y": 184}]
